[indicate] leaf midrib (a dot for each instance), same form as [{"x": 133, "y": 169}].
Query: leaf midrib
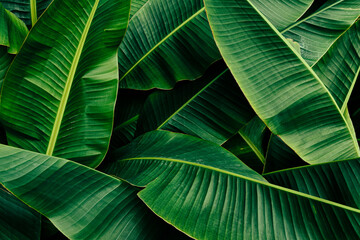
[
  {"x": 248, "y": 179},
  {"x": 69, "y": 81},
  {"x": 162, "y": 41}
]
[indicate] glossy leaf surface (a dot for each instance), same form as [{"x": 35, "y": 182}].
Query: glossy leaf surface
[
  {"x": 283, "y": 90},
  {"x": 82, "y": 203},
  {"x": 60, "y": 100},
  {"x": 188, "y": 185}
]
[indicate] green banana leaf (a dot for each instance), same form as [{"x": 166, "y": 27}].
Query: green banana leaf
[
  {"x": 81, "y": 202},
  {"x": 12, "y": 34},
  {"x": 21, "y": 8},
  {"x": 336, "y": 181},
  {"x": 339, "y": 68},
  {"x": 317, "y": 32},
  {"x": 136, "y": 5},
  {"x": 247, "y": 145},
  {"x": 17, "y": 220},
  {"x": 60, "y": 100},
  {"x": 205, "y": 191},
  {"x": 283, "y": 90},
  {"x": 282, "y": 13},
  {"x": 159, "y": 50},
  {"x": 12, "y": 31},
  {"x": 212, "y": 108}
]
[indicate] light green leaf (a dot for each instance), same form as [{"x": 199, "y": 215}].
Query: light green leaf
[
  {"x": 317, "y": 32},
  {"x": 81, "y": 202},
  {"x": 60, "y": 100},
  {"x": 17, "y": 221},
  {"x": 206, "y": 192},
  {"x": 283, "y": 90},
  {"x": 212, "y": 108}
]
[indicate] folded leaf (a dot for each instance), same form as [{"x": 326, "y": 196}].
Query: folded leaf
[
  {"x": 283, "y": 90},
  {"x": 206, "y": 192},
  {"x": 339, "y": 68},
  {"x": 317, "y": 32},
  {"x": 60, "y": 100}
]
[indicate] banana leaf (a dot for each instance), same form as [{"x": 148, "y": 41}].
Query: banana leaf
[
  {"x": 60, "y": 100},
  {"x": 317, "y": 32},
  {"x": 159, "y": 50},
  {"x": 281, "y": 87},
  {"x": 81, "y": 202},
  {"x": 205, "y": 191},
  {"x": 212, "y": 108},
  {"x": 22, "y": 9}
]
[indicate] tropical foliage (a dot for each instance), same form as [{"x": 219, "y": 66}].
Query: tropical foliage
[{"x": 179, "y": 119}]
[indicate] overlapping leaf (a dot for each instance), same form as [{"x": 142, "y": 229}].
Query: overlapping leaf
[
  {"x": 21, "y": 8},
  {"x": 212, "y": 108},
  {"x": 339, "y": 68},
  {"x": 188, "y": 185},
  {"x": 12, "y": 34},
  {"x": 317, "y": 32},
  {"x": 166, "y": 41},
  {"x": 283, "y": 90},
  {"x": 336, "y": 181},
  {"x": 59, "y": 94},
  {"x": 82, "y": 203}
]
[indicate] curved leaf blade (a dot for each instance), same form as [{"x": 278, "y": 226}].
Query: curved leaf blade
[
  {"x": 339, "y": 68},
  {"x": 160, "y": 49},
  {"x": 282, "y": 13},
  {"x": 317, "y": 32},
  {"x": 81, "y": 202},
  {"x": 335, "y": 181},
  {"x": 204, "y": 191},
  {"x": 60, "y": 100},
  {"x": 283, "y": 90}
]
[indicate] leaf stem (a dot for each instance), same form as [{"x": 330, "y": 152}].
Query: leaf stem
[{"x": 33, "y": 12}]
